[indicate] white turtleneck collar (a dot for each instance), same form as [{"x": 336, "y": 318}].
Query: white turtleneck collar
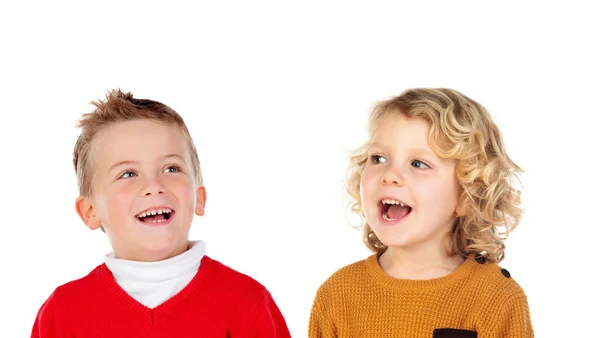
[{"x": 152, "y": 283}]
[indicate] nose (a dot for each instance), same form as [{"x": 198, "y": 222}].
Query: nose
[
  {"x": 392, "y": 177},
  {"x": 153, "y": 187}
]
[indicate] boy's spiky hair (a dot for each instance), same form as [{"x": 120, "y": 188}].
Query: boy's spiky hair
[
  {"x": 120, "y": 107},
  {"x": 463, "y": 130}
]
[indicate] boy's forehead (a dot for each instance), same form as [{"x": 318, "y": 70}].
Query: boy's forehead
[{"x": 137, "y": 140}]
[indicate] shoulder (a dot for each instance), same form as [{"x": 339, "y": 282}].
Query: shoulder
[
  {"x": 233, "y": 282},
  {"x": 350, "y": 271},
  {"x": 332, "y": 296},
  {"x": 503, "y": 303},
  {"x": 246, "y": 303},
  {"x": 346, "y": 278},
  {"x": 228, "y": 275},
  {"x": 69, "y": 295},
  {"x": 76, "y": 289},
  {"x": 495, "y": 282}
]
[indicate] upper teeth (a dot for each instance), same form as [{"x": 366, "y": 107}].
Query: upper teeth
[
  {"x": 154, "y": 212},
  {"x": 389, "y": 201}
]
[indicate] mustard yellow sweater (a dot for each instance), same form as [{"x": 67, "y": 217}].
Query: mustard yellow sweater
[{"x": 479, "y": 299}]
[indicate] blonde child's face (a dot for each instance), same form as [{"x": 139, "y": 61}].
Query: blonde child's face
[
  {"x": 144, "y": 190},
  {"x": 409, "y": 194}
]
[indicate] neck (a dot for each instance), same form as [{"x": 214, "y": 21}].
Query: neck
[
  {"x": 152, "y": 283},
  {"x": 420, "y": 263}
]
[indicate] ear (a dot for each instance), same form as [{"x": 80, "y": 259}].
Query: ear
[
  {"x": 461, "y": 207},
  {"x": 85, "y": 210},
  {"x": 200, "y": 200}
]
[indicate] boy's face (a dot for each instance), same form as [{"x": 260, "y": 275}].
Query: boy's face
[
  {"x": 144, "y": 190},
  {"x": 408, "y": 193}
]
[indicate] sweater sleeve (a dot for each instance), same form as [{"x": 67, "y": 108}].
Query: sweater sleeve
[
  {"x": 514, "y": 320},
  {"x": 320, "y": 323},
  {"x": 268, "y": 320},
  {"x": 43, "y": 327}
]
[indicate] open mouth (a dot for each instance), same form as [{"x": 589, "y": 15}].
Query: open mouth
[
  {"x": 155, "y": 216},
  {"x": 393, "y": 210}
]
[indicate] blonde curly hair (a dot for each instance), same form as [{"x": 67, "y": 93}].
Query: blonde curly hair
[{"x": 463, "y": 130}]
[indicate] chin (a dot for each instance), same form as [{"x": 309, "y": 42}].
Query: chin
[
  {"x": 164, "y": 244},
  {"x": 392, "y": 237}
]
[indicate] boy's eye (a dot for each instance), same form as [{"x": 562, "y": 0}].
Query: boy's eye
[
  {"x": 377, "y": 159},
  {"x": 419, "y": 164},
  {"x": 128, "y": 174},
  {"x": 172, "y": 169}
]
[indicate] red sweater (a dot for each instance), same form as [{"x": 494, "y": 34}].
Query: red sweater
[{"x": 218, "y": 302}]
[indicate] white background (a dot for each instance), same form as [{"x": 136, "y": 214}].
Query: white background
[{"x": 275, "y": 94}]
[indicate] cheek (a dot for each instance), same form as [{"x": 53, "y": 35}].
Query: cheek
[
  {"x": 120, "y": 198},
  {"x": 184, "y": 188},
  {"x": 368, "y": 182},
  {"x": 438, "y": 195}
]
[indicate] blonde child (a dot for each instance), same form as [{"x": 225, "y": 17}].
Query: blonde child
[
  {"x": 434, "y": 187},
  {"x": 140, "y": 182}
]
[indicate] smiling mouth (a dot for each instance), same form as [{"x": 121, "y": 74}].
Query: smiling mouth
[
  {"x": 393, "y": 210},
  {"x": 155, "y": 216}
]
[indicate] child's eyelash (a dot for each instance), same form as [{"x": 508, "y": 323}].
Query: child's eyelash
[
  {"x": 128, "y": 171},
  {"x": 374, "y": 158},
  {"x": 131, "y": 171},
  {"x": 422, "y": 162},
  {"x": 178, "y": 168}
]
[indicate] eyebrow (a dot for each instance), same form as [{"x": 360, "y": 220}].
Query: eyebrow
[
  {"x": 418, "y": 151},
  {"x": 129, "y": 162}
]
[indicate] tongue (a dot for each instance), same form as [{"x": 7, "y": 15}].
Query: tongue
[
  {"x": 396, "y": 212},
  {"x": 153, "y": 218}
]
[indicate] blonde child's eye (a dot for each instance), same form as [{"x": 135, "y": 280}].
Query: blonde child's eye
[
  {"x": 128, "y": 174},
  {"x": 378, "y": 159},
  {"x": 172, "y": 169},
  {"x": 419, "y": 164}
]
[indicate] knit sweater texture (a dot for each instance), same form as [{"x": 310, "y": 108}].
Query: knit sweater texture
[
  {"x": 478, "y": 299},
  {"x": 217, "y": 302}
]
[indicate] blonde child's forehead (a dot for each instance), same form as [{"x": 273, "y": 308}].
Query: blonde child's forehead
[
  {"x": 435, "y": 144},
  {"x": 377, "y": 121}
]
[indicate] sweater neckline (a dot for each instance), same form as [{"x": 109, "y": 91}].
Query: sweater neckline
[
  {"x": 157, "y": 272},
  {"x": 152, "y": 283},
  {"x": 151, "y": 316},
  {"x": 383, "y": 279}
]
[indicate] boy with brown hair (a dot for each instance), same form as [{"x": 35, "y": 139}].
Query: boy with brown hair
[{"x": 140, "y": 182}]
